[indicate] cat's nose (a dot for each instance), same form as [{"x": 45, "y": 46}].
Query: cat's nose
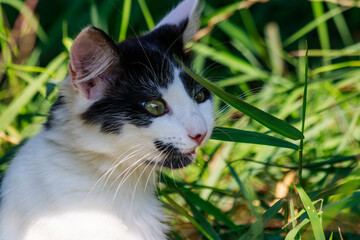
[{"x": 198, "y": 137}]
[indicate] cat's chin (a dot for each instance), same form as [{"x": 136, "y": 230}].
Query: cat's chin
[
  {"x": 173, "y": 157},
  {"x": 174, "y": 161}
]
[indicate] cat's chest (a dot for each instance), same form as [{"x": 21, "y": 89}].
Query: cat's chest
[
  {"x": 94, "y": 224},
  {"x": 113, "y": 201},
  {"x": 109, "y": 215}
]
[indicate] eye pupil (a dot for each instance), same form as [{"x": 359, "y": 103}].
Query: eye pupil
[
  {"x": 200, "y": 97},
  {"x": 155, "y": 107}
]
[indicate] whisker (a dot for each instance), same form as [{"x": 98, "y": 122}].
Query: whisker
[
  {"x": 128, "y": 157},
  {"x": 114, "y": 165},
  {"x": 162, "y": 164},
  {"x": 153, "y": 169},
  {"x": 128, "y": 173},
  {"x": 117, "y": 163},
  {"x": 136, "y": 184}
]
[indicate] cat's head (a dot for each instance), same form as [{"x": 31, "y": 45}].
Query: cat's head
[{"x": 133, "y": 97}]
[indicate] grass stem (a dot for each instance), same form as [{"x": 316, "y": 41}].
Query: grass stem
[{"x": 303, "y": 114}]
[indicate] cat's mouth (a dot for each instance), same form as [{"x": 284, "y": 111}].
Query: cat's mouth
[
  {"x": 173, "y": 157},
  {"x": 176, "y": 161}
]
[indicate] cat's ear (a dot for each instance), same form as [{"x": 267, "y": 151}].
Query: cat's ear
[
  {"x": 186, "y": 16},
  {"x": 92, "y": 57}
]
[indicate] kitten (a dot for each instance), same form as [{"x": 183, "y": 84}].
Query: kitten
[{"x": 125, "y": 110}]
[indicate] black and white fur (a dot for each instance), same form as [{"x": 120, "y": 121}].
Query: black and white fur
[{"x": 89, "y": 173}]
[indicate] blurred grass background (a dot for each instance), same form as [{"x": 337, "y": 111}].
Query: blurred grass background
[{"x": 254, "y": 50}]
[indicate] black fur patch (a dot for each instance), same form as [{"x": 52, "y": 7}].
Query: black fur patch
[
  {"x": 143, "y": 72},
  {"x": 174, "y": 158},
  {"x": 145, "y": 65},
  {"x": 168, "y": 39},
  {"x": 58, "y": 103}
]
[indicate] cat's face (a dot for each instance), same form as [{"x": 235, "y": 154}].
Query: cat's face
[
  {"x": 137, "y": 96},
  {"x": 155, "y": 104}
]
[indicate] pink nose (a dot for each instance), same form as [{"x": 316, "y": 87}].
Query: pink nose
[{"x": 198, "y": 138}]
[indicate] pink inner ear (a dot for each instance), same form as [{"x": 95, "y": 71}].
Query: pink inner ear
[
  {"x": 91, "y": 90},
  {"x": 92, "y": 56},
  {"x": 82, "y": 56}
]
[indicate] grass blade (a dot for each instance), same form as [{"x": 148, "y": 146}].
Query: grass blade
[
  {"x": 257, "y": 227},
  {"x": 233, "y": 30},
  {"x": 336, "y": 66},
  {"x": 292, "y": 234},
  {"x": 333, "y": 160},
  {"x": 350, "y": 186},
  {"x": 262, "y": 117},
  {"x": 299, "y": 214},
  {"x": 272, "y": 211},
  {"x": 147, "y": 15},
  {"x": 235, "y": 80},
  {"x": 96, "y": 19},
  {"x": 313, "y": 24},
  {"x": 292, "y": 212},
  {"x": 254, "y": 233},
  {"x": 229, "y": 60},
  {"x": 273, "y": 42},
  {"x": 236, "y": 135},
  {"x": 32, "y": 69},
  {"x": 249, "y": 195},
  {"x": 250, "y": 25},
  {"x": 185, "y": 214},
  {"x": 303, "y": 113},
  {"x": 209, "y": 208},
  {"x": 125, "y": 19},
  {"x": 210, "y": 232},
  {"x": 341, "y": 25},
  {"x": 312, "y": 213},
  {"x": 10, "y": 113},
  {"x": 318, "y": 10}
]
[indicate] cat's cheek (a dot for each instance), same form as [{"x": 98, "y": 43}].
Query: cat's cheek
[{"x": 207, "y": 110}]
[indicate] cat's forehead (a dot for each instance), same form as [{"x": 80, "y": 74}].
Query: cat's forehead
[
  {"x": 142, "y": 61},
  {"x": 147, "y": 66}
]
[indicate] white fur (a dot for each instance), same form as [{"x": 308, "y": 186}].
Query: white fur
[{"x": 57, "y": 186}]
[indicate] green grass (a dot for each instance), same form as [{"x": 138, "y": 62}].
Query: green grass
[{"x": 265, "y": 174}]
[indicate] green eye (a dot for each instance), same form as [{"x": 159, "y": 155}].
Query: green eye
[
  {"x": 155, "y": 107},
  {"x": 200, "y": 97}
]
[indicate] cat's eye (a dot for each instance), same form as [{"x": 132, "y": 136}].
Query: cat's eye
[
  {"x": 200, "y": 97},
  {"x": 155, "y": 107}
]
